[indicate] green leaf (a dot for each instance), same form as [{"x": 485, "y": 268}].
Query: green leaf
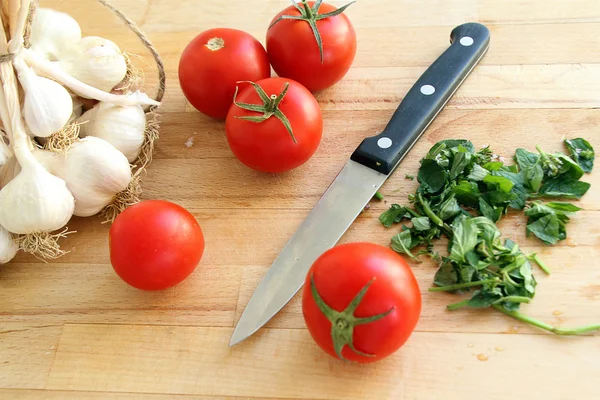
[
  {"x": 493, "y": 165},
  {"x": 582, "y": 152},
  {"x": 445, "y": 275},
  {"x": 561, "y": 206},
  {"x": 502, "y": 183},
  {"x": 526, "y": 159},
  {"x": 401, "y": 243},
  {"x": 395, "y": 214},
  {"x": 568, "y": 188},
  {"x": 467, "y": 193},
  {"x": 421, "y": 223},
  {"x": 484, "y": 298},
  {"x": 451, "y": 144},
  {"x": 545, "y": 228},
  {"x": 461, "y": 160},
  {"x": 478, "y": 173},
  {"x": 534, "y": 175},
  {"x": 449, "y": 208},
  {"x": 492, "y": 213},
  {"x": 431, "y": 176},
  {"x": 464, "y": 238},
  {"x": 569, "y": 168}
]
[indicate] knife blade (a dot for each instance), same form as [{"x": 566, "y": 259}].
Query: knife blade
[{"x": 373, "y": 161}]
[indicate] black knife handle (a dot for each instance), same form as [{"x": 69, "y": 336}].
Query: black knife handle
[{"x": 425, "y": 99}]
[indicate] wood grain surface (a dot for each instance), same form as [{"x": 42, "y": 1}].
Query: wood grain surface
[{"x": 71, "y": 329}]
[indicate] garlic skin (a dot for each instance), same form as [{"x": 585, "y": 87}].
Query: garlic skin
[
  {"x": 93, "y": 170},
  {"x": 9, "y": 171},
  {"x": 48, "y": 106},
  {"x": 35, "y": 201},
  {"x": 52, "y": 31},
  {"x": 8, "y": 246},
  {"x": 122, "y": 126},
  {"x": 95, "y": 61}
]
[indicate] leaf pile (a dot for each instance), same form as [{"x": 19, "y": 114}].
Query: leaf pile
[{"x": 463, "y": 193}]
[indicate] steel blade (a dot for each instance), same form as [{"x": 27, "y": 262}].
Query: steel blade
[{"x": 335, "y": 211}]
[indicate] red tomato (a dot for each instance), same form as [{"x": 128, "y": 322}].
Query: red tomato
[
  {"x": 155, "y": 244},
  {"x": 294, "y": 53},
  {"x": 268, "y": 146},
  {"x": 391, "y": 297},
  {"x": 213, "y": 62}
]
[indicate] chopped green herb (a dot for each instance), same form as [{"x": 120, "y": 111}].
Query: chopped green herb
[
  {"x": 462, "y": 193},
  {"x": 378, "y": 196},
  {"x": 411, "y": 177}
]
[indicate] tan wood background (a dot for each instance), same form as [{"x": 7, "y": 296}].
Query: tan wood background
[{"x": 71, "y": 329}]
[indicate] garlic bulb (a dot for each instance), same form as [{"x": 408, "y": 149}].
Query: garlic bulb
[
  {"x": 95, "y": 61},
  {"x": 123, "y": 127},
  {"x": 94, "y": 172},
  {"x": 52, "y": 31},
  {"x": 47, "y": 106},
  {"x": 8, "y": 171},
  {"x": 35, "y": 201},
  {"x": 8, "y": 246}
]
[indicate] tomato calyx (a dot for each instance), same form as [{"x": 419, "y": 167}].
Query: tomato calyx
[
  {"x": 215, "y": 43},
  {"x": 343, "y": 323},
  {"x": 311, "y": 16},
  {"x": 269, "y": 108}
]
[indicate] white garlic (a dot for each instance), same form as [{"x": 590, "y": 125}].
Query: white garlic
[
  {"x": 123, "y": 127},
  {"x": 94, "y": 172},
  {"x": 35, "y": 201},
  {"x": 52, "y": 31},
  {"x": 8, "y": 246},
  {"x": 95, "y": 61},
  {"x": 48, "y": 106}
]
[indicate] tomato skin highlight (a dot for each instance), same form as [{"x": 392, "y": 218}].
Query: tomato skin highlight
[
  {"x": 208, "y": 77},
  {"x": 340, "y": 273},
  {"x": 267, "y": 146},
  {"x": 294, "y": 53},
  {"x": 155, "y": 244}
]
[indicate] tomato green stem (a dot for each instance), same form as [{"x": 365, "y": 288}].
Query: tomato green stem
[
  {"x": 311, "y": 16},
  {"x": 343, "y": 322},
  {"x": 542, "y": 325},
  {"x": 269, "y": 108}
]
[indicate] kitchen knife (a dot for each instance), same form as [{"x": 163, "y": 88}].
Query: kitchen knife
[{"x": 369, "y": 166}]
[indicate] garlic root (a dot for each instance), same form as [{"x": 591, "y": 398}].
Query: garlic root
[
  {"x": 124, "y": 199},
  {"x": 61, "y": 141},
  {"x": 43, "y": 245}
]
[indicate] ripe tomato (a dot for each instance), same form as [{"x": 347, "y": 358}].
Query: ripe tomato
[
  {"x": 361, "y": 329},
  {"x": 155, "y": 244},
  {"x": 213, "y": 62},
  {"x": 266, "y": 144},
  {"x": 294, "y": 52}
]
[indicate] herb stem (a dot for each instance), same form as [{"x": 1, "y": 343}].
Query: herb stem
[
  {"x": 429, "y": 212},
  {"x": 456, "y": 306},
  {"x": 513, "y": 299},
  {"x": 540, "y": 263},
  {"x": 542, "y": 325},
  {"x": 462, "y": 285}
]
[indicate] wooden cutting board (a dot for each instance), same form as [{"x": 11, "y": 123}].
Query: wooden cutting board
[{"x": 71, "y": 329}]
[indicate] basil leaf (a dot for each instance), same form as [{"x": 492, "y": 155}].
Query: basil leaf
[
  {"x": 500, "y": 182},
  {"x": 493, "y": 165},
  {"x": 568, "y": 188},
  {"x": 460, "y": 162},
  {"x": 561, "y": 206},
  {"x": 569, "y": 168},
  {"x": 401, "y": 243},
  {"x": 467, "y": 193},
  {"x": 421, "y": 223},
  {"x": 395, "y": 214},
  {"x": 545, "y": 228},
  {"x": 478, "y": 173},
  {"x": 582, "y": 152},
  {"x": 518, "y": 189},
  {"x": 492, "y": 213},
  {"x": 464, "y": 238},
  {"x": 484, "y": 298},
  {"x": 526, "y": 159},
  {"x": 534, "y": 175},
  {"x": 431, "y": 176},
  {"x": 445, "y": 275},
  {"x": 449, "y": 208}
]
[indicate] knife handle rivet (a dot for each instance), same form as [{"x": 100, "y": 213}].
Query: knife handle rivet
[
  {"x": 427, "y": 90},
  {"x": 384, "y": 142},
  {"x": 466, "y": 41}
]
